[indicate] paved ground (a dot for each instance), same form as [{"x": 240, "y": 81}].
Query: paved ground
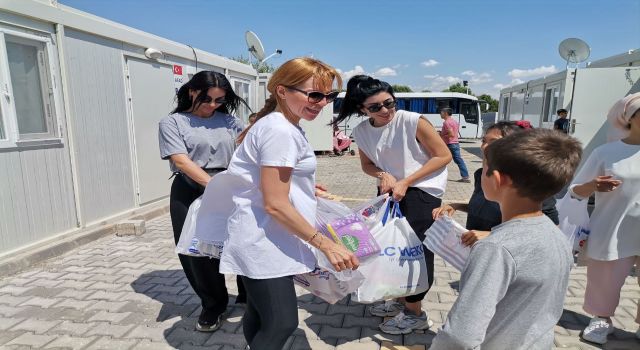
[{"x": 130, "y": 293}]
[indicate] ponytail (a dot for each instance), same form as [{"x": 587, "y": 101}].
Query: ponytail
[{"x": 270, "y": 105}]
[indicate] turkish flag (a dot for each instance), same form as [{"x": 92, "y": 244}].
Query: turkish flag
[{"x": 177, "y": 70}]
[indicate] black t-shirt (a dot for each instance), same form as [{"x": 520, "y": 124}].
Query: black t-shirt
[
  {"x": 562, "y": 124},
  {"x": 485, "y": 214}
]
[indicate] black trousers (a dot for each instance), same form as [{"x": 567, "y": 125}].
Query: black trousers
[
  {"x": 417, "y": 206},
  {"x": 271, "y": 315},
  {"x": 202, "y": 272}
]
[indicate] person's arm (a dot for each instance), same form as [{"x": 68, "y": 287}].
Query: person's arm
[
  {"x": 549, "y": 209},
  {"x": 370, "y": 168},
  {"x": 484, "y": 282},
  {"x": 437, "y": 150},
  {"x": 275, "y": 184},
  {"x": 191, "y": 169},
  {"x": 591, "y": 178},
  {"x": 449, "y": 209}
]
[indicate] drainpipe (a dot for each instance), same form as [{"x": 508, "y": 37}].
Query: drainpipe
[{"x": 67, "y": 117}]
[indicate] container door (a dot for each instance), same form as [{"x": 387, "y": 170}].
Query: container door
[
  {"x": 151, "y": 96},
  {"x": 550, "y": 104}
]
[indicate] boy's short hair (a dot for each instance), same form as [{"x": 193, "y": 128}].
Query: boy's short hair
[
  {"x": 540, "y": 162},
  {"x": 446, "y": 110},
  {"x": 561, "y": 110}
]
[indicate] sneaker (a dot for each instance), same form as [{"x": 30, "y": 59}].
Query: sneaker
[
  {"x": 204, "y": 325},
  {"x": 388, "y": 308},
  {"x": 465, "y": 180},
  {"x": 405, "y": 324},
  {"x": 597, "y": 330}
]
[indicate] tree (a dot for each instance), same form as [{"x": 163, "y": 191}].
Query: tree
[
  {"x": 260, "y": 67},
  {"x": 457, "y": 87},
  {"x": 426, "y": 90},
  {"x": 493, "y": 104},
  {"x": 401, "y": 88}
]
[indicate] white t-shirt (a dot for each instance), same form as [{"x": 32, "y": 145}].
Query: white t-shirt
[
  {"x": 615, "y": 220},
  {"x": 232, "y": 209},
  {"x": 394, "y": 148}
]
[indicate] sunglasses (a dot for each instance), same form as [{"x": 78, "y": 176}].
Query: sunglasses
[
  {"x": 316, "y": 96},
  {"x": 219, "y": 101},
  {"x": 388, "y": 104}
]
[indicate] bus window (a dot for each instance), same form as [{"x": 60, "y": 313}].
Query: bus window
[
  {"x": 470, "y": 111},
  {"x": 418, "y": 105},
  {"x": 447, "y": 103},
  {"x": 336, "y": 105}
]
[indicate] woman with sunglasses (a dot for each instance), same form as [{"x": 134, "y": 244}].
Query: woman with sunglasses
[
  {"x": 404, "y": 151},
  {"x": 198, "y": 139},
  {"x": 268, "y": 205}
]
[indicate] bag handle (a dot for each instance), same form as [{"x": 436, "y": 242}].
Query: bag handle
[{"x": 391, "y": 211}]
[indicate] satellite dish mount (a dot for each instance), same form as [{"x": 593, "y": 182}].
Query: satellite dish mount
[
  {"x": 574, "y": 50},
  {"x": 256, "y": 49}
]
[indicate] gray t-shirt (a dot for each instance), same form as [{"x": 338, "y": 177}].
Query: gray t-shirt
[
  {"x": 512, "y": 289},
  {"x": 209, "y": 142}
]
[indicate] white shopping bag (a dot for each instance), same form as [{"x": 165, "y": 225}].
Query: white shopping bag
[
  {"x": 574, "y": 220},
  {"x": 400, "y": 268},
  {"x": 371, "y": 211},
  {"x": 186, "y": 244},
  {"x": 444, "y": 238},
  {"x": 326, "y": 283}
]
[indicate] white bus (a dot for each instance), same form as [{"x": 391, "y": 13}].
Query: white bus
[{"x": 466, "y": 110}]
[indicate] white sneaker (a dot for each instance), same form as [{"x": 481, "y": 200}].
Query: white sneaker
[
  {"x": 405, "y": 324},
  {"x": 388, "y": 308},
  {"x": 597, "y": 330}
]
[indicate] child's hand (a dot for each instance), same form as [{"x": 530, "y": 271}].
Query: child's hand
[
  {"x": 471, "y": 237},
  {"x": 321, "y": 191},
  {"x": 445, "y": 209}
]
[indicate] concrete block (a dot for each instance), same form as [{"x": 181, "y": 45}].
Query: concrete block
[{"x": 130, "y": 228}]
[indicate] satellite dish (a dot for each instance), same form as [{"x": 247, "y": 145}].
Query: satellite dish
[
  {"x": 574, "y": 50},
  {"x": 255, "y": 47}
]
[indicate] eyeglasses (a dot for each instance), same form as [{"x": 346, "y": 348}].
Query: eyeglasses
[
  {"x": 388, "y": 104},
  {"x": 219, "y": 101},
  {"x": 316, "y": 96}
]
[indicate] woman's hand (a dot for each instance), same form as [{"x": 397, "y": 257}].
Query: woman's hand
[
  {"x": 605, "y": 183},
  {"x": 445, "y": 209},
  {"x": 339, "y": 256},
  {"x": 471, "y": 237},
  {"x": 387, "y": 181},
  {"x": 399, "y": 190}
]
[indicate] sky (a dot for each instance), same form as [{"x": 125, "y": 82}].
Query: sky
[{"x": 422, "y": 44}]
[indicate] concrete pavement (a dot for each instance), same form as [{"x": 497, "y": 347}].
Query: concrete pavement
[{"x": 130, "y": 293}]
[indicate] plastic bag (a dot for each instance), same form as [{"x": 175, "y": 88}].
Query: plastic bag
[
  {"x": 345, "y": 227},
  {"x": 444, "y": 238},
  {"x": 185, "y": 245},
  {"x": 574, "y": 220},
  {"x": 371, "y": 211},
  {"x": 400, "y": 268},
  {"x": 326, "y": 283}
]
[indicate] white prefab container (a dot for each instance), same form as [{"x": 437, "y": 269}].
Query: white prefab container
[
  {"x": 79, "y": 116},
  {"x": 587, "y": 93}
]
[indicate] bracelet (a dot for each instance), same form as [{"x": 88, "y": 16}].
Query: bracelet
[
  {"x": 313, "y": 237},
  {"x": 379, "y": 175}
]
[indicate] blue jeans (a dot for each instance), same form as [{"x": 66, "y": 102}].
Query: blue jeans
[{"x": 457, "y": 158}]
